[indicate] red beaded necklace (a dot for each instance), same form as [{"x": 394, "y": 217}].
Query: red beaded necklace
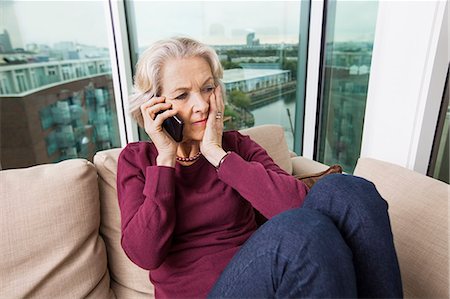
[{"x": 189, "y": 159}]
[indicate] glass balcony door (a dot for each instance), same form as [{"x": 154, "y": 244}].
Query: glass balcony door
[{"x": 345, "y": 70}]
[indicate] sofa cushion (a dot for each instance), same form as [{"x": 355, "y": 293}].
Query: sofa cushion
[
  {"x": 127, "y": 279},
  {"x": 302, "y": 166},
  {"x": 49, "y": 222},
  {"x": 418, "y": 208},
  {"x": 272, "y": 139}
]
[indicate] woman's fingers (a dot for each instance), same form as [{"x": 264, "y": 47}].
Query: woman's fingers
[
  {"x": 151, "y": 108},
  {"x": 157, "y": 109},
  {"x": 161, "y": 117},
  {"x": 215, "y": 118},
  {"x": 212, "y": 105},
  {"x": 154, "y": 112},
  {"x": 151, "y": 102},
  {"x": 219, "y": 99},
  {"x": 216, "y": 106}
]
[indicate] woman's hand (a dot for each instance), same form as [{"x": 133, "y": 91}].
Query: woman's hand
[
  {"x": 167, "y": 147},
  {"x": 211, "y": 145}
]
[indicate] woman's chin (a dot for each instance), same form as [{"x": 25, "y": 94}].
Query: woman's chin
[{"x": 194, "y": 136}]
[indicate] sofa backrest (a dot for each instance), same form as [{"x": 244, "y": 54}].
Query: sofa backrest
[
  {"x": 49, "y": 222},
  {"x": 418, "y": 209},
  {"x": 127, "y": 279},
  {"x": 273, "y": 140}
]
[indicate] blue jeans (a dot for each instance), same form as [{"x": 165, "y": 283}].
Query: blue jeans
[{"x": 338, "y": 244}]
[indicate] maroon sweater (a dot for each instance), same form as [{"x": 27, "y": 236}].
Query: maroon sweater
[{"x": 184, "y": 224}]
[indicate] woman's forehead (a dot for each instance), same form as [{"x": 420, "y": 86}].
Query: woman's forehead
[{"x": 183, "y": 73}]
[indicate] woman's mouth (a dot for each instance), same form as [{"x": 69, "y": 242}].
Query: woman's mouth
[{"x": 200, "y": 122}]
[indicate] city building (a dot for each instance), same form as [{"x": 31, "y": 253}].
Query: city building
[
  {"x": 18, "y": 79},
  {"x": 252, "y": 40},
  {"x": 53, "y": 111},
  {"x": 248, "y": 80},
  {"x": 5, "y": 42}
]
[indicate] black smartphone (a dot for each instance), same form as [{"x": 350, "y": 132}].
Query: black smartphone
[{"x": 174, "y": 126}]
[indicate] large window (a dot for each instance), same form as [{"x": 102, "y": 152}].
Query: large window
[
  {"x": 257, "y": 42},
  {"x": 57, "y": 99},
  {"x": 347, "y": 54},
  {"x": 56, "y": 94}
]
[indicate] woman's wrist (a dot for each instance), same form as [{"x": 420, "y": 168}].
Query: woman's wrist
[
  {"x": 166, "y": 160},
  {"x": 221, "y": 160},
  {"x": 214, "y": 156}
]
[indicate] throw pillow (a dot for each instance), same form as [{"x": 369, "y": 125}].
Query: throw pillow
[{"x": 311, "y": 179}]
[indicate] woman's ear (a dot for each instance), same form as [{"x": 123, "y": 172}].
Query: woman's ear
[{"x": 157, "y": 91}]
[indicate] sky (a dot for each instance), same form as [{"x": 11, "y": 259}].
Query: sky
[
  {"x": 213, "y": 22},
  {"x": 218, "y": 22},
  {"x": 48, "y": 22}
]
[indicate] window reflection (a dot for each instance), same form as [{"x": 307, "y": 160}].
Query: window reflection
[
  {"x": 346, "y": 68},
  {"x": 56, "y": 93},
  {"x": 439, "y": 162}
]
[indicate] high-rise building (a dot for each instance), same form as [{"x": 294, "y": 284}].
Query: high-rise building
[
  {"x": 252, "y": 40},
  {"x": 5, "y": 42}
]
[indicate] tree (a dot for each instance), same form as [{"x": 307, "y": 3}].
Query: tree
[
  {"x": 230, "y": 65},
  {"x": 290, "y": 65},
  {"x": 240, "y": 99}
]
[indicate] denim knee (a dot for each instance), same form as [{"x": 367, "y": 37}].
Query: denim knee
[
  {"x": 343, "y": 181},
  {"x": 360, "y": 213},
  {"x": 295, "y": 221},
  {"x": 298, "y": 227},
  {"x": 346, "y": 188}
]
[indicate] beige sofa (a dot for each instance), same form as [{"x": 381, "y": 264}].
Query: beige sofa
[{"x": 60, "y": 226}]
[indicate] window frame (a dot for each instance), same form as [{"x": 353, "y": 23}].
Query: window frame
[{"x": 121, "y": 69}]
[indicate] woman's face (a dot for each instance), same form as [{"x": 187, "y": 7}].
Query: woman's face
[{"x": 187, "y": 84}]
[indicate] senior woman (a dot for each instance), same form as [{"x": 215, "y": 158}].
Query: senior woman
[{"x": 187, "y": 208}]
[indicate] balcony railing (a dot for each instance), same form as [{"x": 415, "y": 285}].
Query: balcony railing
[{"x": 23, "y": 79}]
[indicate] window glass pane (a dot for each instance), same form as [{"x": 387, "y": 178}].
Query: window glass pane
[
  {"x": 441, "y": 170},
  {"x": 256, "y": 41},
  {"x": 350, "y": 29},
  {"x": 56, "y": 94},
  {"x": 439, "y": 166}
]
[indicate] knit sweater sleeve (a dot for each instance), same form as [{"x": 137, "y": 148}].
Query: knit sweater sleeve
[
  {"x": 146, "y": 200},
  {"x": 252, "y": 172}
]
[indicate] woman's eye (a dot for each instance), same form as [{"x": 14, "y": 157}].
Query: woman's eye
[
  {"x": 208, "y": 89},
  {"x": 181, "y": 96}
]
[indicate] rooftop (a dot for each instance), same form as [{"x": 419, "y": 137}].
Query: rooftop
[{"x": 233, "y": 75}]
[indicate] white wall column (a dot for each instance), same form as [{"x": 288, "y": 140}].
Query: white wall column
[
  {"x": 409, "y": 65},
  {"x": 121, "y": 69},
  {"x": 312, "y": 74}
]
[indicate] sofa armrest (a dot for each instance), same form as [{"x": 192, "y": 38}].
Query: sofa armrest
[
  {"x": 418, "y": 210},
  {"x": 302, "y": 166}
]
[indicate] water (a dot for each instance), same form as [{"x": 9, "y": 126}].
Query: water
[{"x": 275, "y": 113}]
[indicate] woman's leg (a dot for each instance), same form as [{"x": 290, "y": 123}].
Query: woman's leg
[
  {"x": 360, "y": 213},
  {"x": 298, "y": 253}
]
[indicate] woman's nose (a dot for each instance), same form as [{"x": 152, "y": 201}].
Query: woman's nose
[{"x": 200, "y": 103}]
